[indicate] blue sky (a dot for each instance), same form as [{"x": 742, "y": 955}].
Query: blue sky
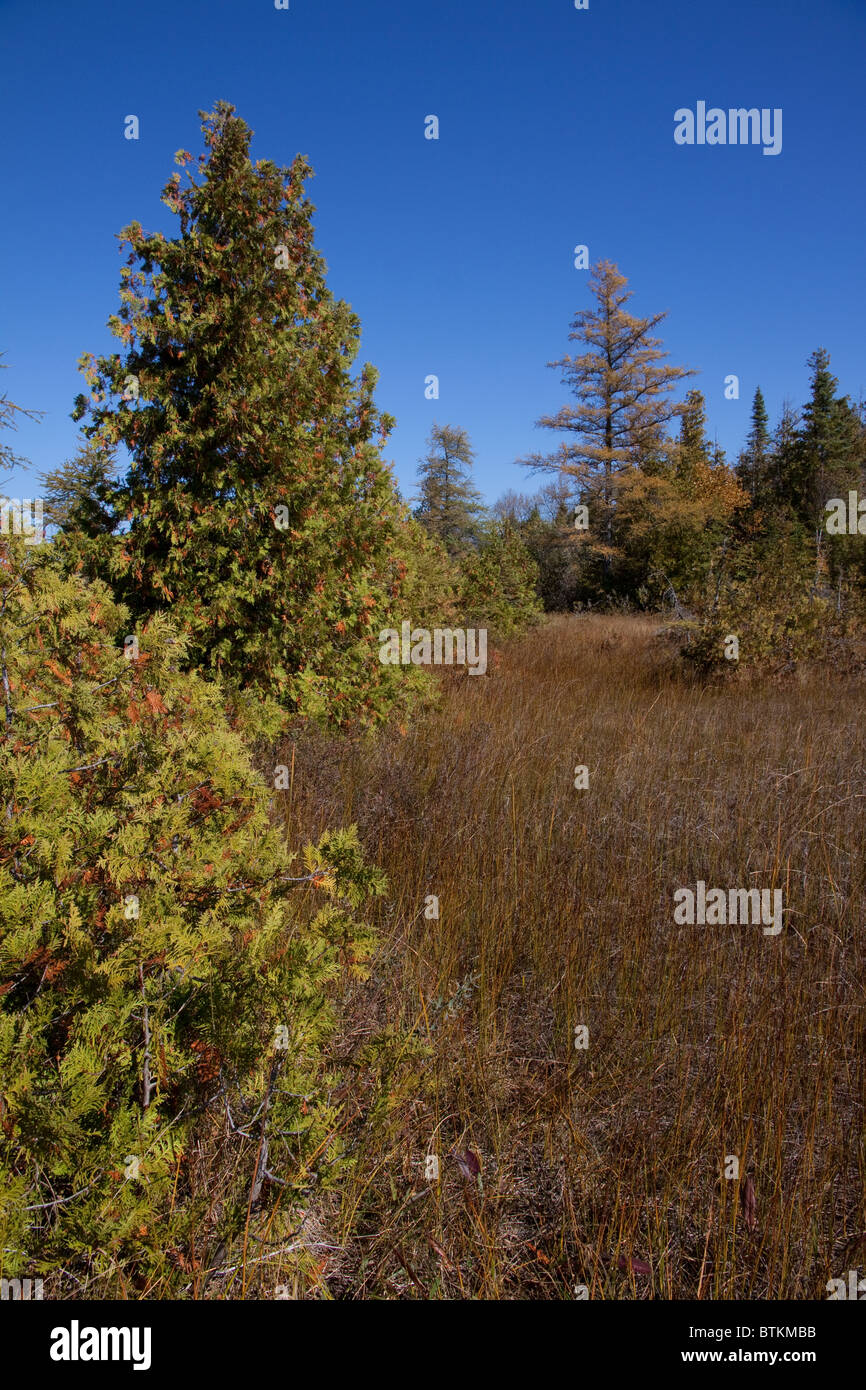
[{"x": 556, "y": 129}]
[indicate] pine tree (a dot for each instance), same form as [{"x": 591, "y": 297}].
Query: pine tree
[
  {"x": 259, "y": 509},
  {"x": 623, "y": 391},
  {"x": 449, "y": 505}
]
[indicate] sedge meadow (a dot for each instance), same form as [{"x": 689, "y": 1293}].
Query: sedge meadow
[{"x": 604, "y": 1166}]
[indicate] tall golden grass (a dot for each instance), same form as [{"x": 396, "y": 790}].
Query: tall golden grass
[{"x": 602, "y": 1169}]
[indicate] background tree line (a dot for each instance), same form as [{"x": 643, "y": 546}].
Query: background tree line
[{"x": 645, "y": 511}]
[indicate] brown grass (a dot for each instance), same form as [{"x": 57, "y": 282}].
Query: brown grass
[{"x": 603, "y": 1167}]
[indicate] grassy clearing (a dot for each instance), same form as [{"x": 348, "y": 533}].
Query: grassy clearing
[{"x": 603, "y": 1166}]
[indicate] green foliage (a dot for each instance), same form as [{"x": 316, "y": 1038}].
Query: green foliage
[
  {"x": 830, "y": 447},
  {"x": 763, "y": 590},
  {"x": 431, "y": 580},
  {"x": 167, "y": 975},
  {"x": 258, "y": 509},
  {"x": 80, "y": 500},
  {"x": 753, "y": 461},
  {"x": 499, "y": 584},
  {"x": 776, "y": 579},
  {"x": 449, "y": 505}
]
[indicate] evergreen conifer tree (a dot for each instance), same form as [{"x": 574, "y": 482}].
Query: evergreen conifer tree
[
  {"x": 753, "y": 461},
  {"x": 449, "y": 505},
  {"x": 828, "y": 455},
  {"x": 80, "y": 494},
  {"x": 258, "y": 507},
  {"x": 500, "y": 583},
  {"x": 694, "y": 449}
]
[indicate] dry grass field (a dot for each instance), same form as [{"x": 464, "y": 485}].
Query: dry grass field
[{"x": 602, "y": 1166}]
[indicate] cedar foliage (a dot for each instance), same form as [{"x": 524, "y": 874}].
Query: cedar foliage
[
  {"x": 166, "y": 974},
  {"x": 257, "y": 508},
  {"x": 499, "y": 584},
  {"x": 80, "y": 493}
]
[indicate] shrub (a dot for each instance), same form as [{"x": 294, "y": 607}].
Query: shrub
[
  {"x": 769, "y": 593},
  {"x": 165, "y": 975},
  {"x": 499, "y": 584}
]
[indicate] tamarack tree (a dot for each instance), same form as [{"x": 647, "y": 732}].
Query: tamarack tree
[
  {"x": 652, "y": 506},
  {"x": 622, "y": 387}
]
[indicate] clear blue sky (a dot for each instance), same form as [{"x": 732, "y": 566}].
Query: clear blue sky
[{"x": 556, "y": 129}]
